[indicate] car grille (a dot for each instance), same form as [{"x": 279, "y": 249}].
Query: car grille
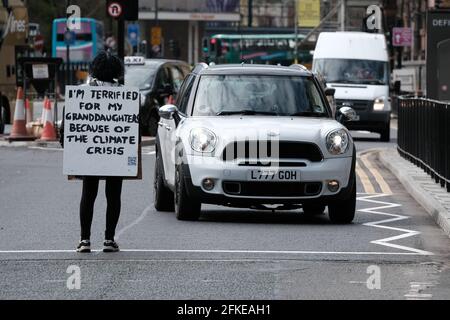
[
  {"x": 359, "y": 105},
  {"x": 272, "y": 189},
  {"x": 287, "y": 150}
]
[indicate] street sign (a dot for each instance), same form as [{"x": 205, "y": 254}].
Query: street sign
[
  {"x": 123, "y": 9},
  {"x": 308, "y": 13},
  {"x": 156, "y": 36},
  {"x": 115, "y": 9},
  {"x": 69, "y": 38},
  {"x": 133, "y": 34},
  {"x": 39, "y": 43},
  {"x": 402, "y": 37}
]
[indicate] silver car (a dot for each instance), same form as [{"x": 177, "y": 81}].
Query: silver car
[{"x": 254, "y": 136}]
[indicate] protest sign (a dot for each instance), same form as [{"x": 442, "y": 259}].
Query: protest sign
[{"x": 101, "y": 131}]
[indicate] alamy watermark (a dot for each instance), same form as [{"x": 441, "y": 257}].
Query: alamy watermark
[
  {"x": 374, "y": 280},
  {"x": 74, "y": 280},
  {"x": 374, "y": 17}
]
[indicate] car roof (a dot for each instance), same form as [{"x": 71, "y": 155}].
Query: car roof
[
  {"x": 156, "y": 63},
  {"x": 261, "y": 69}
]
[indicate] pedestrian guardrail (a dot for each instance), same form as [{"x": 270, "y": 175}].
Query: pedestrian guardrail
[{"x": 424, "y": 136}]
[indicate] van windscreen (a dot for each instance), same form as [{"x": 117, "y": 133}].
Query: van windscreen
[{"x": 353, "y": 71}]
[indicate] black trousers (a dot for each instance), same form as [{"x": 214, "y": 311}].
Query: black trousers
[{"x": 113, "y": 192}]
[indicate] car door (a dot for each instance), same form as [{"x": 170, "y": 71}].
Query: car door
[{"x": 170, "y": 127}]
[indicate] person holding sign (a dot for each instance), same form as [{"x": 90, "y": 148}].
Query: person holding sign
[{"x": 100, "y": 139}]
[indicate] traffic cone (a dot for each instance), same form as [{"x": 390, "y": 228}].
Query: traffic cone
[
  {"x": 44, "y": 110},
  {"x": 49, "y": 132},
  {"x": 19, "y": 130}
]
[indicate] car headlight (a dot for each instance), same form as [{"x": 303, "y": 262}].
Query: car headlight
[
  {"x": 202, "y": 140},
  {"x": 381, "y": 104},
  {"x": 337, "y": 142}
]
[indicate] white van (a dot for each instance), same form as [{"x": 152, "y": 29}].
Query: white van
[{"x": 356, "y": 65}]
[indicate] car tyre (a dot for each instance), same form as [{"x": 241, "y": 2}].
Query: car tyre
[
  {"x": 385, "y": 134},
  {"x": 313, "y": 209},
  {"x": 152, "y": 126},
  {"x": 343, "y": 211},
  {"x": 163, "y": 196},
  {"x": 186, "y": 208}
]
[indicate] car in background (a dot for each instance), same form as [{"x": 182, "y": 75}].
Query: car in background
[
  {"x": 254, "y": 136},
  {"x": 356, "y": 65},
  {"x": 159, "y": 82}
]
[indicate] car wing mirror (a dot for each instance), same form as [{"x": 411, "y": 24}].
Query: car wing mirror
[
  {"x": 346, "y": 114},
  {"x": 169, "y": 112}
]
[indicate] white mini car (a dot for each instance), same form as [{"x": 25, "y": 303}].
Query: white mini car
[{"x": 254, "y": 136}]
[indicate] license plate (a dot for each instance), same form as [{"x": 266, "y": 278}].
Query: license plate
[{"x": 274, "y": 175}]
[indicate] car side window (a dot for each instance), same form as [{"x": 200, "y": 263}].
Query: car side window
[
  {"x": 163, "y": 78},
  {"x": 177, "y": 78},
  {"x": 185, "y": 94}
]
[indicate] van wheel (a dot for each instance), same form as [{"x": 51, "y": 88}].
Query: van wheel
[
  {"x": 386, "y": 133},
  {"x": 162, "y": 196},
  {"x": 185, "y": 208},
  {"x": 343, "y": 211}
]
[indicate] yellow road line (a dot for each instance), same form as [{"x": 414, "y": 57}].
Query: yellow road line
[
  {"x": 368, "y": 187},
  {"x": 376, "y": 174}
]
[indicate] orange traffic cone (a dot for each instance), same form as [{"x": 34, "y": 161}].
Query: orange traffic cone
[
  {"x": 44, "y": 110},
  {"x": 49, "y": 132},
  {"x": 19, "y": 130}
]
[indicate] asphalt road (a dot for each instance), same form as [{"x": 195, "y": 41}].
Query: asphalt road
[{"x": 228, "y": 254}]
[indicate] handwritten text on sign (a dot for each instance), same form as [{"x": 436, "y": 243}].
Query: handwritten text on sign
[{"x": 101, "y": 131}]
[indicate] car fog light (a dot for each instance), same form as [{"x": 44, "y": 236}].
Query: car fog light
[
  {"x": 208, "y": 184},
  {"x": 333, "y": 185}
]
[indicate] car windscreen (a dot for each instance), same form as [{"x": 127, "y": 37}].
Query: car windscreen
[
  {"x": 353, "y": 71},
  {"x": 141, "y": 77},
  {"x": 258, "y": 95}
]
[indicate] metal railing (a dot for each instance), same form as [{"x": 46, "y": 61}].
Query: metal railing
[{"x": 424, "y": 136}]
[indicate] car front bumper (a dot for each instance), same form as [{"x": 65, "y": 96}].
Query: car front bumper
[{"x": 259, "y": 192}]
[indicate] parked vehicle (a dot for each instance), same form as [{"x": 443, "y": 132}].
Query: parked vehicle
[
  {"x": 356, "y": 64},
  {"x": 254, "y": 136},
  {"x": 159, "y": 81}
]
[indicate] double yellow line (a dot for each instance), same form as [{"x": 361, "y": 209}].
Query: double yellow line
[{"x": 373, "y": 170}]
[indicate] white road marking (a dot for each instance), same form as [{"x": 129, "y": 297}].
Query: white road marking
[
  {"x": 406, "y": 233},
  {"x": 293, "y": 252}
]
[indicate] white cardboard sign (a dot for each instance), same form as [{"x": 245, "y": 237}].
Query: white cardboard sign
[
  {"x": 40, "y": 71},
  {"x": 101, "y": 131}
]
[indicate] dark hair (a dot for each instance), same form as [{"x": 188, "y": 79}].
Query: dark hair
[{"x": 106, "y": 67}]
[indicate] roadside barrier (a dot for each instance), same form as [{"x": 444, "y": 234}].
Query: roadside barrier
[{"x": 424, "y": 136}]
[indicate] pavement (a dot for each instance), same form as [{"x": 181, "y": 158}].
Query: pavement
[{"x": 431, "y": 196}]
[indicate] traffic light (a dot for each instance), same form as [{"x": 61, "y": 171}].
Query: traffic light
[
  {"x": 205, "y": 45},
  {"x": 174, "y": 48},
  {"x": 216, "y": 47}
]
